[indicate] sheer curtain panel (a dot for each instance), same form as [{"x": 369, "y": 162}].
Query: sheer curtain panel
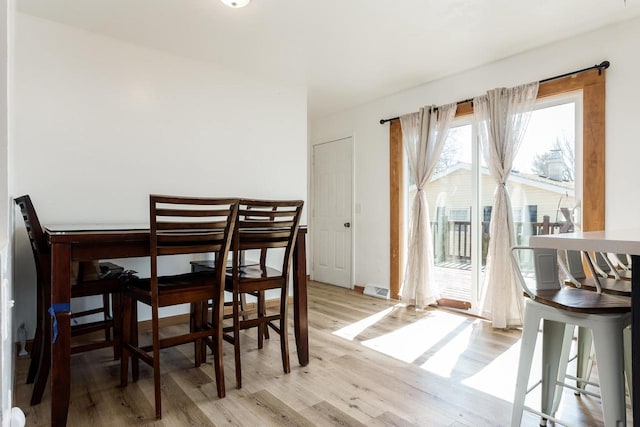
[
  {"x": 423, "y": 136},
  {"x": 501, "y": 118}
]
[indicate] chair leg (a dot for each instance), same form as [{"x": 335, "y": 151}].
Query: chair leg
[
  {"x": 527, "y": 347},
  {"x": 135, "y": 362},
  {"x": 609, "y": 354},
  {"x": 196, "y": 324},
  {"x": 106, "y": 315},
  {"x": 243, "y": 306},
  {"x": 236, "y": 339},
  {"x": 36, "y": 354},
  {"x": 284, "y": 334},
  {"x": 218, "y": 366},
  {"x": 156, "y": 360},
  {"x": 264, "y": 307},
  {"x": 205, "y": 320},
  {"x": 261, "y": 313},
  {"x": 45, "y": 357},
  {"x": 117, "y": 324},
  {"x": 36, "y": 348},
  {"x": 126, "y": 340},
  {"x": 44, "y": 365}
]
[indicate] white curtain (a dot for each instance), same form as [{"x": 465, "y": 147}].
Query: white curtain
[
  {"x": 501, "y": 119},
  {"x": 423, "y": 135}
]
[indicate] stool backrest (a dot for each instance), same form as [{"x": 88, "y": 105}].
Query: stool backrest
[
  {"x": 545, "y": 262},
  {"x": 575, "y": 265}
]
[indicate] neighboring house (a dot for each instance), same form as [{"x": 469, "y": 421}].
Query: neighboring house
[{"x": 449, "y": 195}]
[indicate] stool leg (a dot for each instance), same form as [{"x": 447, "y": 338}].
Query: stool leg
[
  {"x": 626, "y": 336},
  {"x": 527, "y": 347},
  {"x": 609, "y": 354},
  {"x": 552, "y": 345},
  {"x": 562, "y": 369},
  {"x": 584, "y": 361}
]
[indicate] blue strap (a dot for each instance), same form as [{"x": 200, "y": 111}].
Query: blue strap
[{"x": 53, "y": 310}]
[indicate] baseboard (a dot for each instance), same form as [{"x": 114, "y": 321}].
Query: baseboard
[{"x": 27, "y": 346}]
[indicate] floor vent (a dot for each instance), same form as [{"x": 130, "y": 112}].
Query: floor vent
[{"x": 375, "y": 291}]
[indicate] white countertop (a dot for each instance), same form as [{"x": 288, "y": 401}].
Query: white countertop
[{"x": 615, "y": 241}]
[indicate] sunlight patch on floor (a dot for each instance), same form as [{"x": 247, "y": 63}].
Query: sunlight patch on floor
[
  {"x": 499, "y": 377},
  {"x": 412, "y": 341},
  {"x": 353, "y": 330},
  {"x": 444, "y": 361}
]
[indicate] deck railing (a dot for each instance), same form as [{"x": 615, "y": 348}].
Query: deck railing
[{"x": 452, "y": 239}]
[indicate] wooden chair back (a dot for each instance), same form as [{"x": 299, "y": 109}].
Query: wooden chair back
[
  {"x": 265, "y": 225},
  {"x": 189, "y": 225},
  {"x": 37, "y": 239}
]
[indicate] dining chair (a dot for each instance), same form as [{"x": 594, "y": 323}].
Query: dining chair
[
  {"x": 268, "y": 227},
  {"x": 209, "y": 264},
  {"x": 180, "y": 226},
  {"x": 561, "y": 308},
  {"x": 90, "y": 280}
]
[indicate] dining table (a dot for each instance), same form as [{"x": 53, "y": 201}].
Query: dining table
[
  {"x": 617, "y": 242},
  {"x": 86, "y": 242}
]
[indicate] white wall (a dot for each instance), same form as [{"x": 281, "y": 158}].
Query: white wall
[
  {"x": 101, "y": 124},
  {"x": 6, "y": 294},
  {"x": 619, "y": 44}
]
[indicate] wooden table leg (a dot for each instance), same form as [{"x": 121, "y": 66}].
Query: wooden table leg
[
  {"x": 635, "y": 337},
  {"x": 300, "y": 318},
  {"x": 61, "y": 349}
]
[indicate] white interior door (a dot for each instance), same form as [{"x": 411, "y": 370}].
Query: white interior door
[{"x": 332, "y": 188}]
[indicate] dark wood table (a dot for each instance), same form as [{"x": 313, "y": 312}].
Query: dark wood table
[
  {"x": 615, "y": 241},
  {"x": 101, "y": 241}
]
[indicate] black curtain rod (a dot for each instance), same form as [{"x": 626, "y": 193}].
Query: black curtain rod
[{"x": 601, "y": 66}]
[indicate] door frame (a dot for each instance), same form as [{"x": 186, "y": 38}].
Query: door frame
[{"x": 312, "y": 200}]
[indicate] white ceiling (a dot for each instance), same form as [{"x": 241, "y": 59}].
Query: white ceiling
[{"x": 346, "y": 52}]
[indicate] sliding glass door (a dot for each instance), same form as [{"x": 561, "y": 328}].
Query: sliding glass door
[{"x": 460, "y": 194}]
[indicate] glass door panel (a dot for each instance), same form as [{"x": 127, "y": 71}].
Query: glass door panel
[
  {"x": 542, "y": 181},
  {"x": 451, "y": 194}
]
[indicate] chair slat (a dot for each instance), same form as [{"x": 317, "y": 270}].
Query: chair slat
[
  {"x": 261, "y": 245},
  {"x": 266, "y": 214},
  {"x": 178, "y": 225},
  {"x": 190, "y": 237},
  {"x": 177, "y": 250},
  {"x": 265, "y": 224},
  {"x": 192, "y": 212}
]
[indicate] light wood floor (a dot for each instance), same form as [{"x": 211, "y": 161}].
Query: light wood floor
[{"x": 373, "y": 363}]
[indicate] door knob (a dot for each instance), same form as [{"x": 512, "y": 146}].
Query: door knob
[{"x": 347, "y": 224}]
